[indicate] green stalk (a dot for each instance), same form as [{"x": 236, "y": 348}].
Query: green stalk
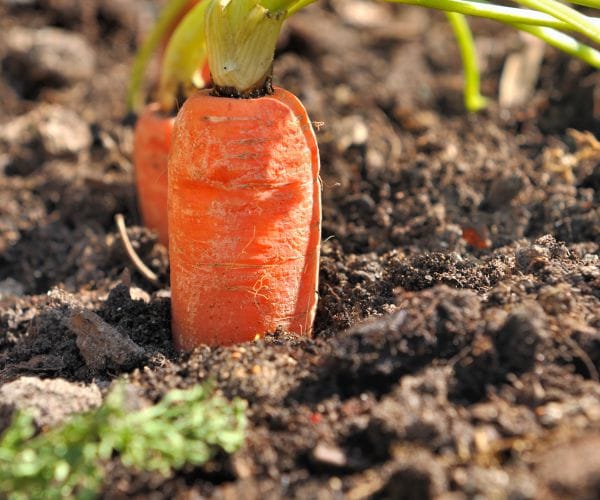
[
  {"x": 300, "y": 4},
  {"x": 575, "y": 19},
  {"x": 242, "y": 41},
  {"x": 289, "y": 6},
  {"x": 241, "y": 36},
  {"x": 474, "y": 101},
  {"x": 563, "y": 42},
  {"x": 275, "y": 5},
  {"x": 184, "y": 58},
  {"x": 537, "y": 23},
  {"x": 594, "y": 4},
  {"x": 492, "y": 11},
  {"x": 173, "y": 9}
]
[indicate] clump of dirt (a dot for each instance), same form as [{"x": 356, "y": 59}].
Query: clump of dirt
[{"x": 457, "y": 340}]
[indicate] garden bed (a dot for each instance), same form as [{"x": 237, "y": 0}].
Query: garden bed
[{"x": 457, "y": 341}]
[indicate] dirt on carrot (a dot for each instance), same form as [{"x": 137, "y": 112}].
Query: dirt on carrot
[{"x": 436, "y": 368}]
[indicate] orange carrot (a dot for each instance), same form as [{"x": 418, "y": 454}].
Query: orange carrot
[
  {"x": 152, "y": 142},
  {"x": 244, "y": 219}
]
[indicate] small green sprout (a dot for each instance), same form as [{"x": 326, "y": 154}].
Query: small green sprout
[{"x": 185, "y": 427}]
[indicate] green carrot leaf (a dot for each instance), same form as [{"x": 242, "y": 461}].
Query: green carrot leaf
[
  {"x": 185, "y": 55},
  {"x": 170, "y": 13},
  {"x": 474, "y": 101}
]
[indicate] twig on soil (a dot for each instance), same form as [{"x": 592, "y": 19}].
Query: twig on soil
[{"x": 144, "y": 270}]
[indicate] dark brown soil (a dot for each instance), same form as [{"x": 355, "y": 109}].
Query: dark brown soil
[{"x": 457, "y": 343}]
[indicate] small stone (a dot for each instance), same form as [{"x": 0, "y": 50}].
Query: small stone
[
  {"x": 501, "y": 192},
  {"x": 329, "y": 455},
  {"x": 486, "y": 482},
  {"x": 11, "y": 287},
  {"x": 49, "y": 55},
  {"x": 571, "y": 470},
  {"x": 139, "y": 294},
  {"x": 550, "y": 414},
  {"x": 101, "y": 345},
  {"x": 532, "y": 258},
  {"x": 518, "y": 340},
  {"x": 49, "y": 401},
  {"x": 416, "y": 474},
  {"x": 62, "y": 132},
  {"x": 351, "y": 131},
  {"x": 57, "y": 131}
]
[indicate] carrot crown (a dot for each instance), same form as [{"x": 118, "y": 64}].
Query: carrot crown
[
  {"x": 237, "y": 36},
  {"x": 241, "y": 36}
]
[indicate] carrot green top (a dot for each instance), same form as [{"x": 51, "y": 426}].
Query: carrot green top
[
  {"x": 168, "y": 16},
  {"x": 241, "y": 36},
  {"x": 184, "y": 57},
  {"x": 237, "y": 36}
]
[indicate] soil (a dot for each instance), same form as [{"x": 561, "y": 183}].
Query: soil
[{"x": 457, "y": 343}]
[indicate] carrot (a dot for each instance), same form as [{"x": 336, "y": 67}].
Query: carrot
[
  {"x": 152, "y": 142},
  {"x": 244, "y": 218},
  {"x": 152, "y": 137},
  {"x": 244, "y": 198}
]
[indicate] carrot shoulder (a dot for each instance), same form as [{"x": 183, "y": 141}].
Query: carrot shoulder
[
  {"x": 152, "y": 141},
  {"x": 244, "y": 218}
]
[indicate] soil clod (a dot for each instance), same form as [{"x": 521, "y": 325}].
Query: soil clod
[{"x": 102, "y": 346}]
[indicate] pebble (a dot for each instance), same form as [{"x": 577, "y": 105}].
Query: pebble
[
  {"x": 62, "y": 132},
  {"x": 351, "y": 131},
  {"x": 330, "y": 455},
  {"x": 49, "y": 401},
  {"x": 520, "y": 338},
  {"x": 57, "y": 130},
  {"x": 101, "y": 345},
  {"x": 415, "y": 474},
  {"x": 11, "y": 287},
  {"x": 502, "y": 191},
  {"x": 50, "y": 55}
]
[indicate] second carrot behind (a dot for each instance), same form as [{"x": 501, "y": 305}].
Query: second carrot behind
[
  {"x": 183, "y": 69},
  {"x": 244, "y": 195}
]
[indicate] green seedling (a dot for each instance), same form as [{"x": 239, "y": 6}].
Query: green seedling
[{"x": 185, "y": 427}]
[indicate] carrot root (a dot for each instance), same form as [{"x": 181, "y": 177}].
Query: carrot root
[
  {"x": 244, "y": 219},
  {"x": 152, "y": 141}
]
